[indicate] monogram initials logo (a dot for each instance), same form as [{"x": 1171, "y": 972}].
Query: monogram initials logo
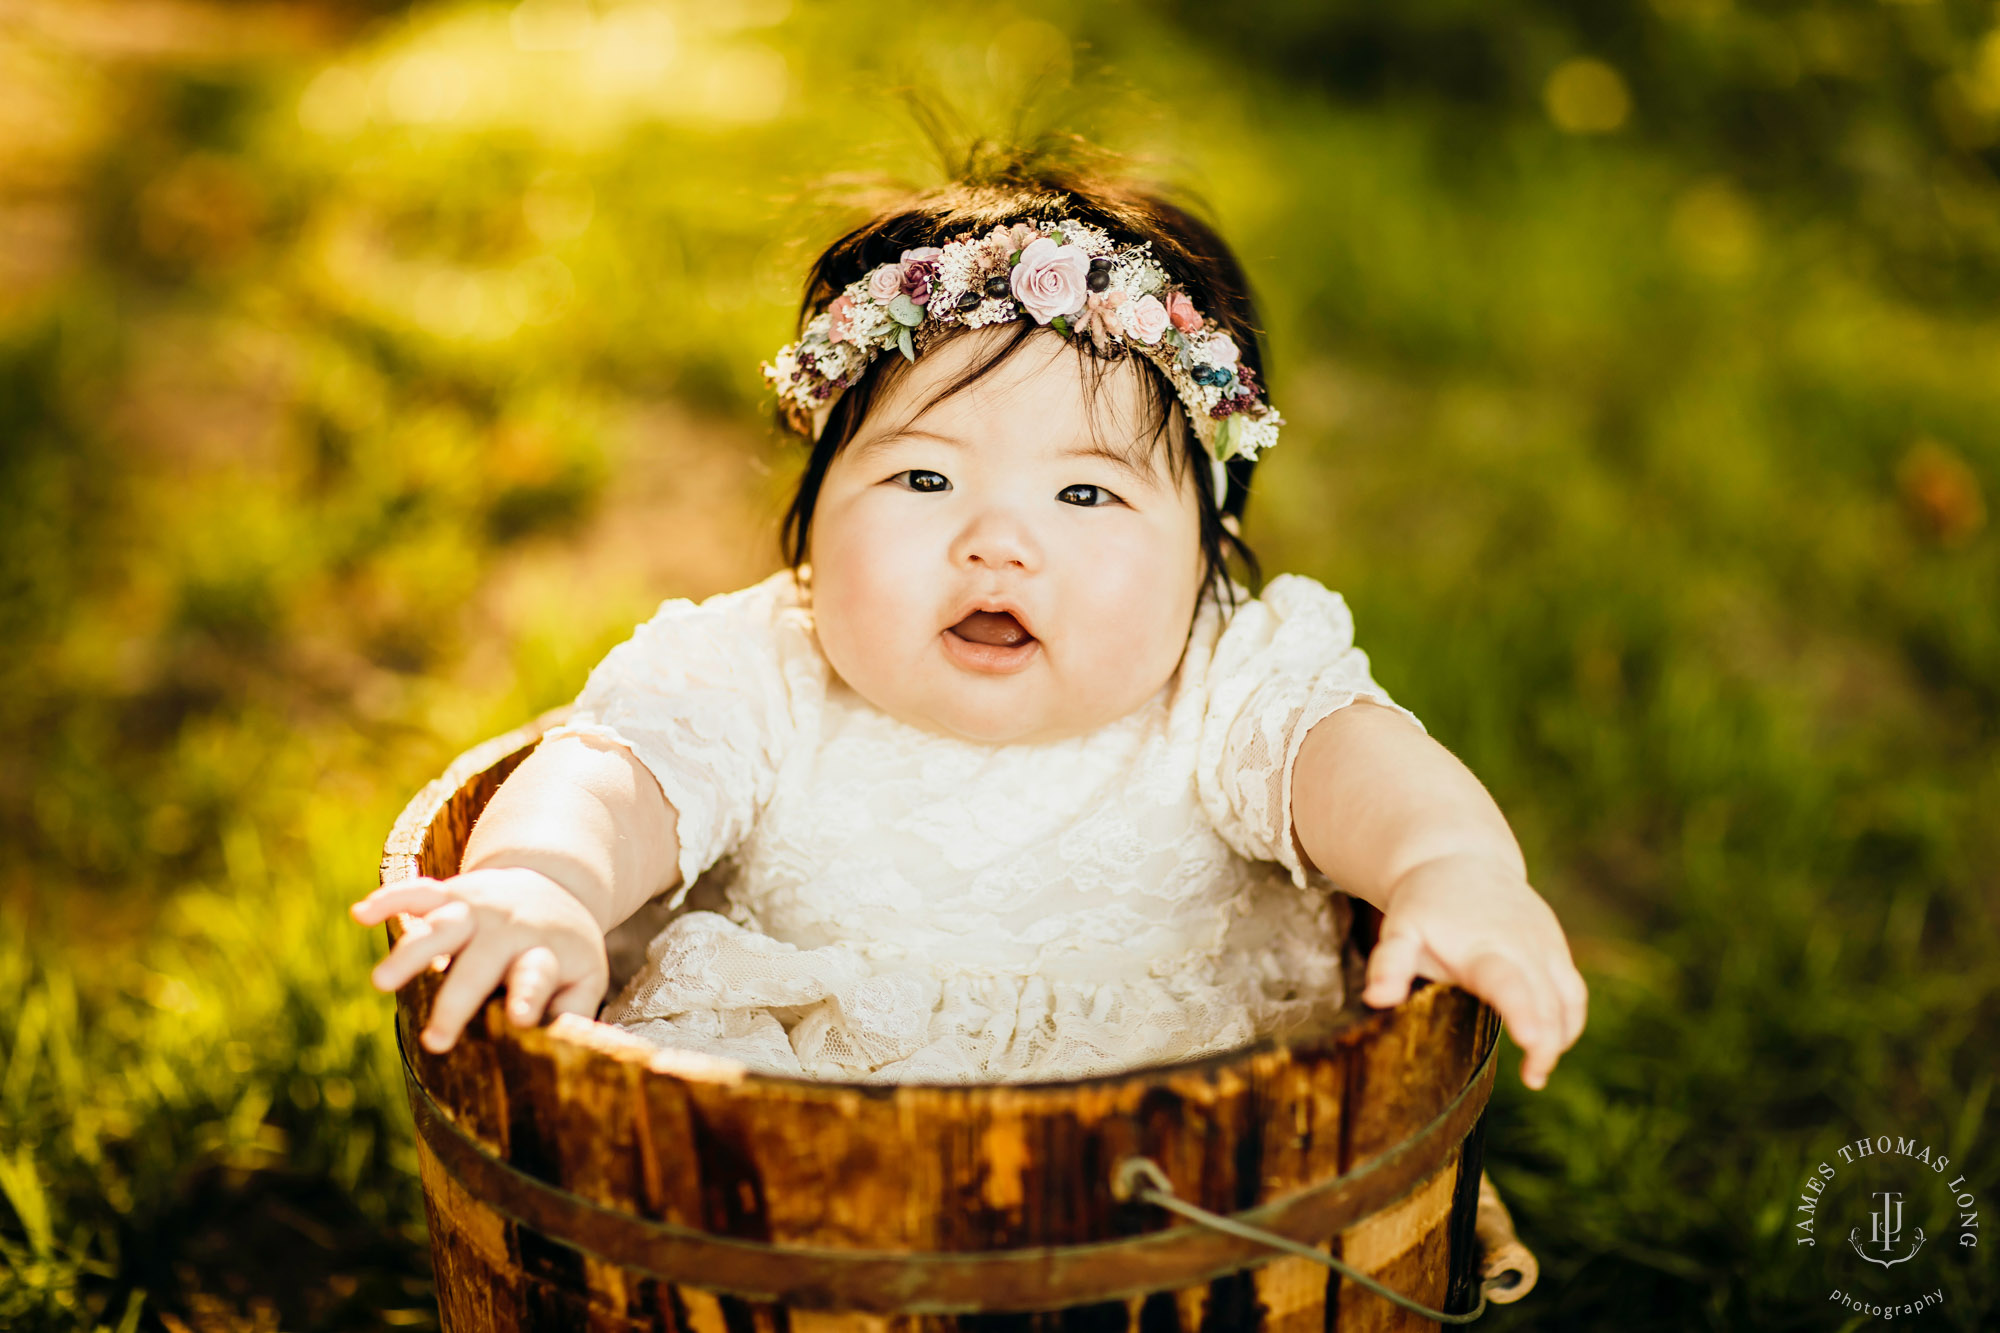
[{"x": 1885, "y": 1229}]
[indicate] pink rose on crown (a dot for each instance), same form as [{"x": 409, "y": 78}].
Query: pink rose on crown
[
  {"x": 1146, "y": 319},
  {"x": 840, "y": 318},
  {"x": 1182, "y": 312},
  {"x": 1020, "y": 236},
  {"x": 1051, "y": 279},
  {"x": 885, "y": 282}
]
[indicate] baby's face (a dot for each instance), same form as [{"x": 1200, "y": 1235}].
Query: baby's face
[{"x": 1083, "y": 554}]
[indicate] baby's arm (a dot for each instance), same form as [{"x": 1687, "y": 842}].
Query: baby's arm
[
  {"x": 1396, "y": 820},
  {"x": 572, "y": 843}
]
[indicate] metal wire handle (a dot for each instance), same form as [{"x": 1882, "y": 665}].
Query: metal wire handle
[{"x": 1126, "y": 1184}]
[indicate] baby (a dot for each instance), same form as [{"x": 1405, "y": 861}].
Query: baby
[{"x": 1004, "y": 778}]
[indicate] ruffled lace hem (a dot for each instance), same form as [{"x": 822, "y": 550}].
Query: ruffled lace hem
[{"x": 710, "y": 985}]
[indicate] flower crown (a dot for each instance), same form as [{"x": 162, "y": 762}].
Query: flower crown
[{"x": 1064, "y": 273}]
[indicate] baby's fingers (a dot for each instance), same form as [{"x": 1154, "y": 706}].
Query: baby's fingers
[
  {"x": 1527, "y": 1003},
  {"x": 473, "y": 976},
  {"x": 1576, "y": 1000},
  {"x": 530, "y": 982},
  {"x": 405, "y": 895},
  {"x": 579, "y": 997},
  {"x": 1392, "y": 968},
  {"x": 444, "y": 931}
]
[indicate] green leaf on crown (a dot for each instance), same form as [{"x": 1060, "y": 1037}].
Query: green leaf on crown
[{"x": 1228, "y": 434}]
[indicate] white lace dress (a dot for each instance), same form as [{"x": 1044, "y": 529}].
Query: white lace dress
[{"x": 896, "y": 906}]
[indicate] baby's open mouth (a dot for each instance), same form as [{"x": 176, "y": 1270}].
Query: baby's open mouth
[{"x": 998, "y": 628}]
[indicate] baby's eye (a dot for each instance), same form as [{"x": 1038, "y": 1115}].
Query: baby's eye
[
  {"x": 1087, "y": 495},
  {"x": 923, "y": 479}
]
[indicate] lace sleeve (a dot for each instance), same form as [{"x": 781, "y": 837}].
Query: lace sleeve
[
  {"x": 1284, "y": 662},
  {"x": 706, "y": 697}
]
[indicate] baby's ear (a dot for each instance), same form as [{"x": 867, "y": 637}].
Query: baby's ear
[{"x": 820, "y": 415}]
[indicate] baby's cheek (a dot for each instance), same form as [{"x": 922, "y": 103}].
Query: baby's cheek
[
  {"x": 856, "y": 629},
  {"x": 1131, "y": 618},
  {"x": 870, "y": 610}
]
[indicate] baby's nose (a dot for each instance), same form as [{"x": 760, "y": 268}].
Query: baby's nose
[
  {"x": 997, "y": 540},
  {"x": 997, "y": 556}
]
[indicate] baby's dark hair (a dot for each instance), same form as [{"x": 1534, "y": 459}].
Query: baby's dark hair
[{"x": 1050, "y": 179}]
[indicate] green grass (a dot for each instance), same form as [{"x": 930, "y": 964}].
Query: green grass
[{"x": 357, "y": 418}]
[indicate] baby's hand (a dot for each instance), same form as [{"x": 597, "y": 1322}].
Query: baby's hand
[
  {"x": 1472, "y": 922},
  {"x": 512, "y": 925}
]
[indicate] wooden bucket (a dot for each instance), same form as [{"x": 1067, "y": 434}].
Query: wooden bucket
[{"x": 578, "y": 1178}]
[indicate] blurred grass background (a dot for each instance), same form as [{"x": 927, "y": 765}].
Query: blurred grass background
[{"x": 367, "y": 370}]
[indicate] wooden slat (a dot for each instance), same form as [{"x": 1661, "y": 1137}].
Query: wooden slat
[{"x": 1401, "y": 1247}]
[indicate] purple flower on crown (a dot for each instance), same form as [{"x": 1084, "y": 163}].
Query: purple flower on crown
[
  {"x": 1243, "y": 400},
  {"x": 920, "y": 268},
  {"x": 1247, "y": 389},
  {"x": 909, "y": 276}
]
